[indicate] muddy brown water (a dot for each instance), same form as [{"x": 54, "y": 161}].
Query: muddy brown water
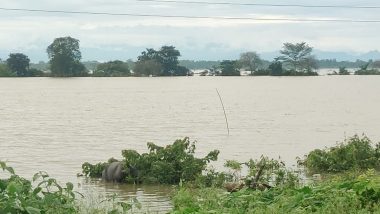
[{"x": 56, "y": 124}]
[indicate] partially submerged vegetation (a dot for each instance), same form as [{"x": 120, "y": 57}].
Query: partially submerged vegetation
[
  {"x": 44, "y": 195},
  {"x": 64, "y": 54},
  {"x": 172, "y": 164},
  {"x": 339, "y": 195},
  {"x": 18, "y": 195},
  {"x": 345, "y": 180},
  {"x": 354, "y": 154},
  {"x": 352, "y": 185}
]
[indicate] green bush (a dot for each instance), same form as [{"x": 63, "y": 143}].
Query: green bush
[
  {"x": 339, "y": 195},
  {"x": 354, "y": 154},
  {"x": 165, "y": 165},
  {"x": 93, "y": 170},
  {"x": 18, "y": 195},
  {"x": 44, "y": 195}
]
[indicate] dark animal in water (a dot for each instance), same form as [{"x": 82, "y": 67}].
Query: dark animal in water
[
  {"x": 114, "y": 172},
  {"x": 118, "y": 171}
]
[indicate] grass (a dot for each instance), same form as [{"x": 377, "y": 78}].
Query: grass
[{"x": 340, "y": 194}]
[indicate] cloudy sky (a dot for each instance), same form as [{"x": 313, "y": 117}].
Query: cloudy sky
[{"x": 122, "y": 37}]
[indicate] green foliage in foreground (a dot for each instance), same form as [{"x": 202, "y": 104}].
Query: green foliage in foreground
[
  {"x": 355, "y": 153},
  {"x": 44, "y": 195},
  {"x": 164, "y": 165},
  {"x": 17, "y": 195},
  {"x": 341, "y": 195}
]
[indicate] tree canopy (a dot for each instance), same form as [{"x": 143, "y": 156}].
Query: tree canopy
[
  {"x": 250, "y": 61},
  {"x": 115, "y": 68},
  {"x": 18, "y": 63},
  {"x": 229, "y": 68},
  {"x": 4, "y": 71},
  {"x": 165, "y": 59},
  {"x": 275, "y": 68},
  {"x": 298, "y": 57},
  {"x": 64, "y": 55}
]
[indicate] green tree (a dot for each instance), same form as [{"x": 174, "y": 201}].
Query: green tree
[
  {"x": 149, "y": 54},
  {"x": 4, "y": 71},
  {"x": 343, "y": 71},
  {"x": 18, "y": 63},
  {"x": 275, "y": 68},
  {"x": 112, "y": 69},
  {"x": 147, "y": 68},
  {"x": 250, "y": 61},
  {"x": 229, "y": 68},
  {"x": 65, "y": 56},
  {"x": 167, "y": 57},
  {"x": 298, "y": 57}
]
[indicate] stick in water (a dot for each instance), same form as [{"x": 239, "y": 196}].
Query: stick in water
[{"x": 225, "y": 115}]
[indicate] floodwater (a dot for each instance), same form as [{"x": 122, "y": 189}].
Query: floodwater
[{"x": 56, "y": 124}]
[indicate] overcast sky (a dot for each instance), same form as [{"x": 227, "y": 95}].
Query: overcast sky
[{"x": 122, "y": 37}]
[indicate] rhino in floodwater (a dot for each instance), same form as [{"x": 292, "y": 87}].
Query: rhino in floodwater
[
  {"x": 117, "y": 171},
  {"x": 114, "y": 172}
]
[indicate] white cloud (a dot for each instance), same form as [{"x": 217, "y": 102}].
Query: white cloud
[{"x": 27, "y": 30}]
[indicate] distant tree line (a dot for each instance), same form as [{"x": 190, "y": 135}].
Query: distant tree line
[
  {"x": 65, "y": 61},
  {"x": 295, "y": 60},
  {"x": 333, "y": 63}
]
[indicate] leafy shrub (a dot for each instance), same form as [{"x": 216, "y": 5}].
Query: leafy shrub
[
  {"x": 95, "y": 170},
  {"x": 269, "y": 172},
  {"x": 17, "y": 195},
  {"x": 354, "y": 154},
  {"x": 44, "y": 195},
  {"x": 274, "y": 172},
  {"x": 165, "y": 165},
  {"x": 341, "y": 195}
]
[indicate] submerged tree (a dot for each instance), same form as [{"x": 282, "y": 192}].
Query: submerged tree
[
  {"x": 229, "y": 68},
  {"x": 275, "y": 68},
  {"x": 298, "y": 57},
  {"x": 250, "y": 60},
  {"x": 115, "y": 68},
  {"x": 167, "y": 57},
  {"x": 65, "y": 56},
  {"x": 147, "y": 68},
  {"x": 18, "y": 63},
  {"x": 4, "y": 71}
]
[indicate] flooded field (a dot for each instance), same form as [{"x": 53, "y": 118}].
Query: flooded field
[{"x": 55, "y": 125}]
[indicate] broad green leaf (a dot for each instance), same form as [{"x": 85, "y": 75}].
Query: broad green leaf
[
  {"x": 37, "y": 190},
  {"x": 13, "y": 188},
  {"x": 32, "y": 210},
  {"x": 126, "y": 207}
]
